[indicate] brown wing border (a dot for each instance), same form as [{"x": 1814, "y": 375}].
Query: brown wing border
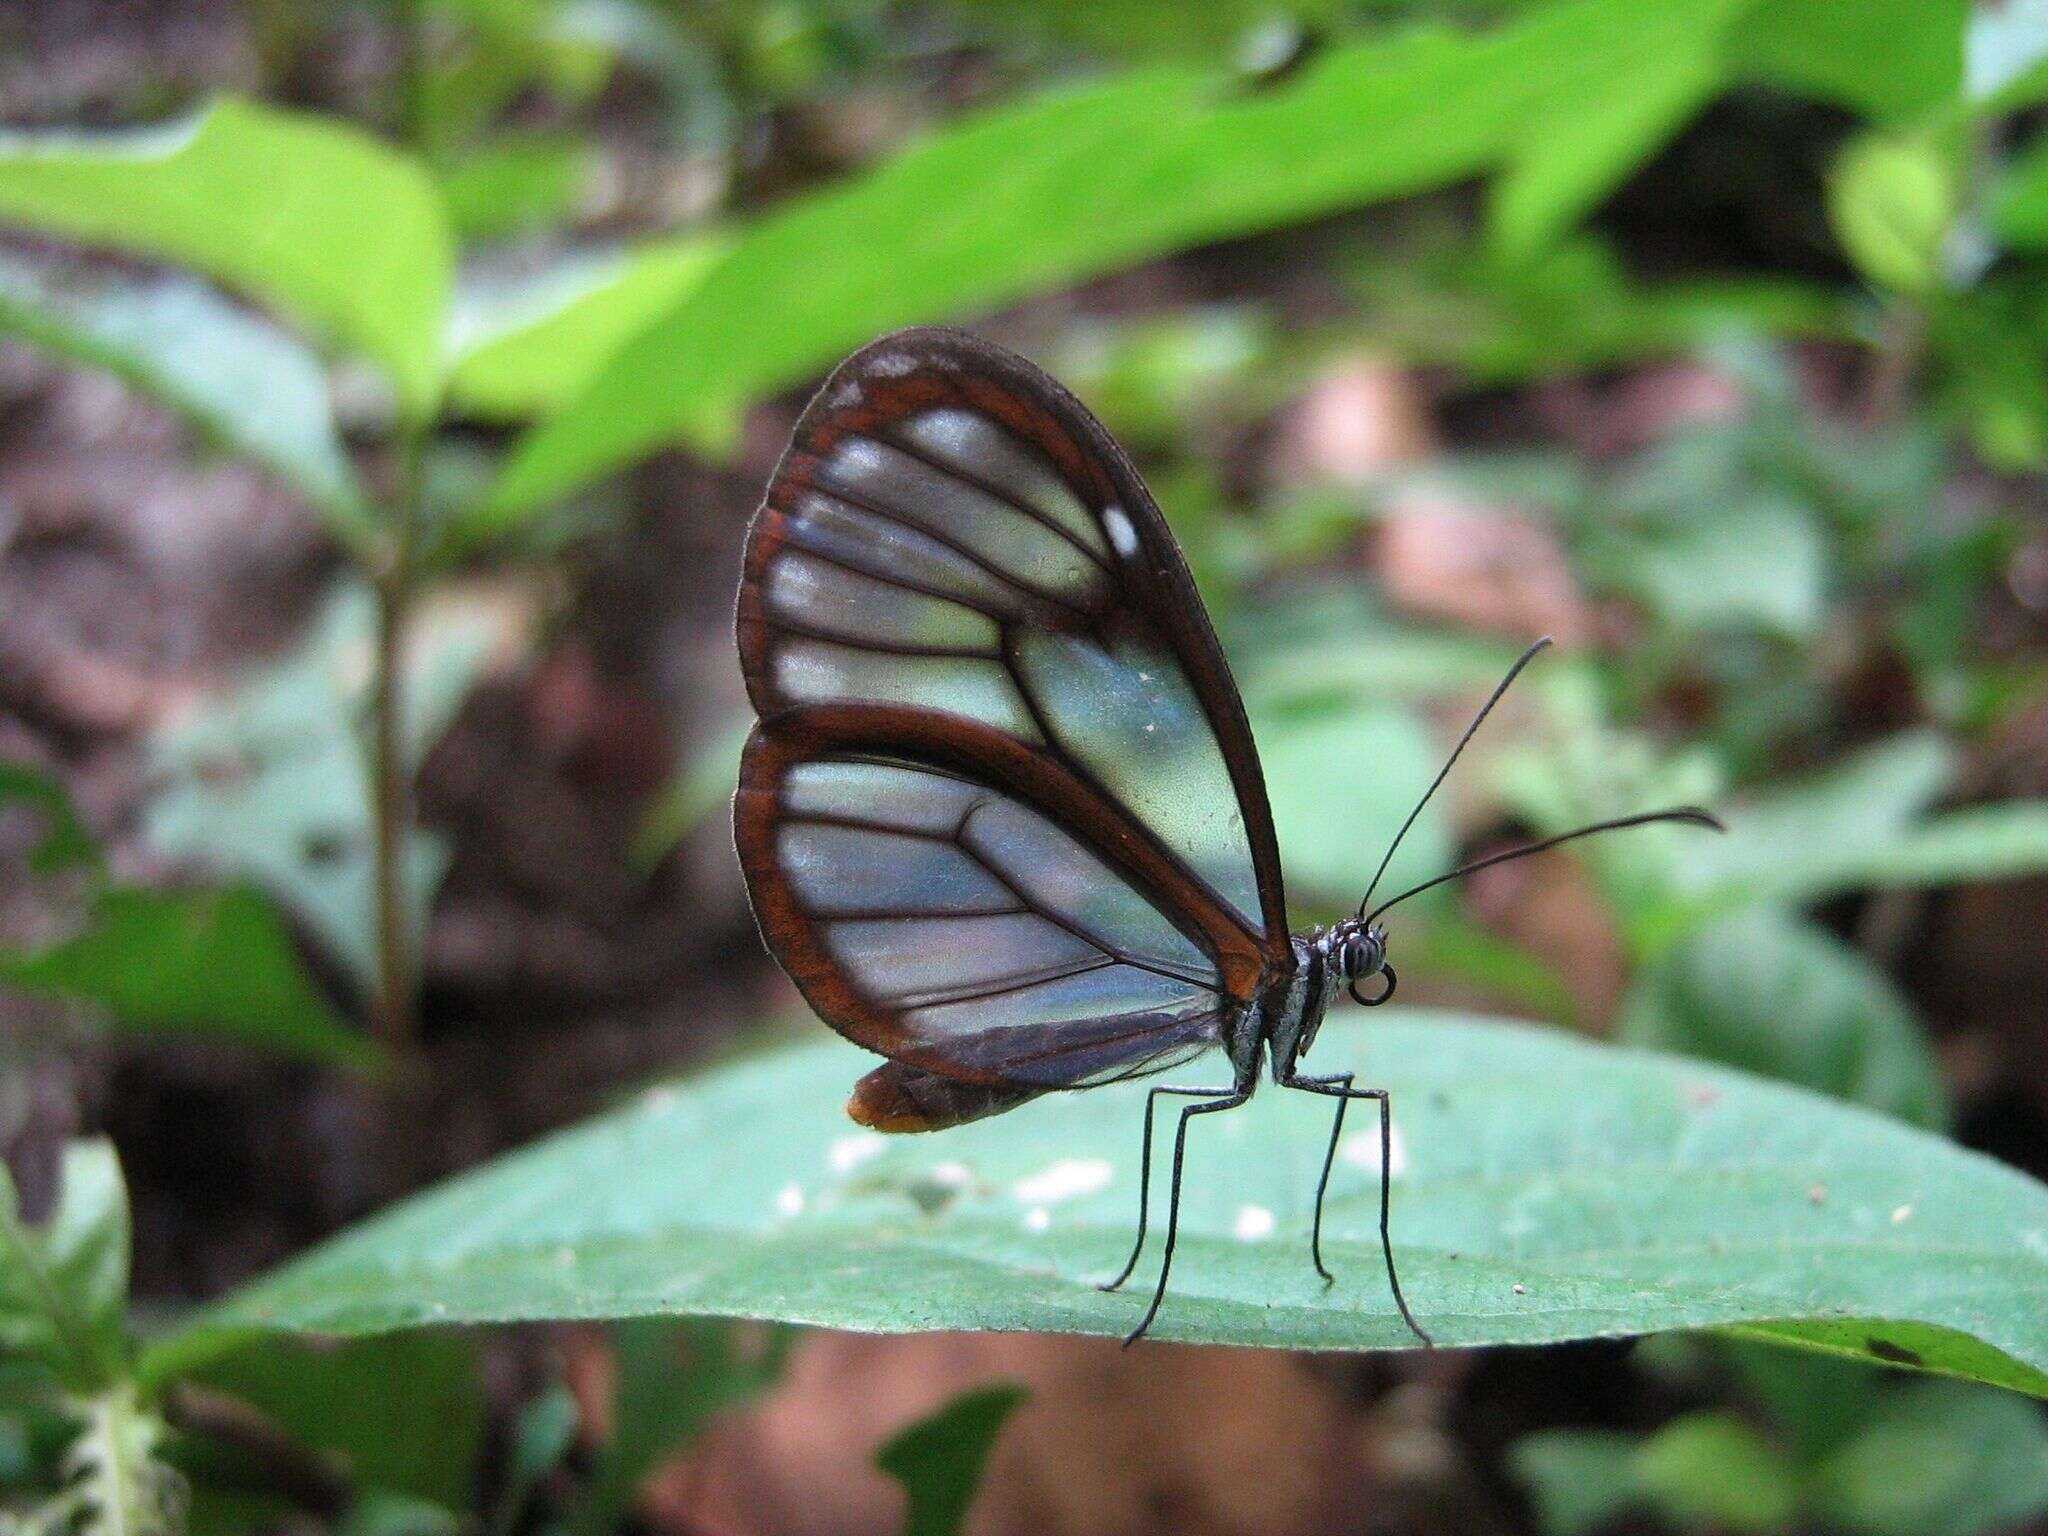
[
  {"x": 953, "y": 368},
  {"x": 979, "y": 753}
]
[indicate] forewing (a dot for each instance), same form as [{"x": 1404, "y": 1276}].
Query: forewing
[
  {"x": 939, "y": 899},
  {"x": 952, "y": 531}
]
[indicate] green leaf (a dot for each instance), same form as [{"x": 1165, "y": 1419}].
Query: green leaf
[
  {"x": 673, "y": 1378},
  {"x": 1776, "y": 995},
  {"x": 240, "y": 380},
  {"x": 1074, "y": 183},
  {"x": 1854, "y": 827},
  {"x": 542, "y": 1437},
  {"x": 64, "y": 1285},
  {"x": 1627, "y": 82},
  {"x": 1577, "y": 1479},
  {"x": 516, "y": 185},
  {"x": 525, "y": 348},
  {"x": 1886, "y": 58},
  {"x": 218, "y": 963},
  {"x": 332, "y": 227},
  {"x": 1570, "y": 307},
  {"x": 395, "y": 1514},
  {"x": 1891, "y": 201},
  {"x": 1713, "y": 1470},
  {"x": 2019, "y": 211},
  {"x": 1940, "y": 1459},
  {"x": 939, "y": 1459},
  {"x": 1622, "y": 1192},
  {"x": 1761, "y": 565},
  {"x": 405, "y": 1412},
  {"x": 64, "y": 843}
]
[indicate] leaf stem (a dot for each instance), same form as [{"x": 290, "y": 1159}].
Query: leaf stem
[{"x": 390, "y": 771}]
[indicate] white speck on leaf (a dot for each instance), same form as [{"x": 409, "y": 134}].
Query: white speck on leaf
[
  {"x": 1037, "y": 1219},
  {"x": 1902, "y": 1215},
  {"x": 849, "y": 1152},
  {"x": 952, "y": 1175},
  {"x": 1253, "y": 1222},
  {"x": 789, "y": 1200},
  {"x": 1063, "y": 1180}
]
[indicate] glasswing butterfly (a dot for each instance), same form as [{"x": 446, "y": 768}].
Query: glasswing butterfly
[{"x": 1001, "y": 818}]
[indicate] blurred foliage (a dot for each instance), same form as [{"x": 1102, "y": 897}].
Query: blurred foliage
[
  {"x": 214, "y": 963},
  {"x": 1834, "y": 1445},
  {"x": 939, "y": 1459},
  {"x": 64, "y": 1356},
  {"x": 270, "y": 782}
]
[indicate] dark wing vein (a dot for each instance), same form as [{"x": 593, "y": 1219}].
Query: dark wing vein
[
  {"x": 864, "y": 502},
  {"x": 994, "y": 491}
]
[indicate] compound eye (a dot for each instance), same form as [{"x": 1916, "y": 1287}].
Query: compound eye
[{"x": 1354, "y": 956}]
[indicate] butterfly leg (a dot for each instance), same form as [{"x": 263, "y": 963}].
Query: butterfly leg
[
  {"x": 1230, "y": 1100},
  {"x": 1145, "y": 1173},
  {"x": 1339, "y": 1088}
]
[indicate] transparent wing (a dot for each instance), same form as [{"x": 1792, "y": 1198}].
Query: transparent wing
[
  {"x": 924, "y": 889},
  {"x": 952, "y": 532}
]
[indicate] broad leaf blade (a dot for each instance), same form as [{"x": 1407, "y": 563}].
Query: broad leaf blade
[
  {"x": 1076, "y": 183},
  {"x": 1545, "y": 1189},
  {"x": 332, "y": 227}
]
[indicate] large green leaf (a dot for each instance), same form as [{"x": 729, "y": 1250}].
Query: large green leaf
[
  {"x": 1081, "y": 181},
  {"x": 1889, "y": 58},
  {"x": 332, "y": 227},
  {"x": 238, "y": 379},
  {"x": 1545, "y": 1189},
  {"x": 525, "y": 348}
]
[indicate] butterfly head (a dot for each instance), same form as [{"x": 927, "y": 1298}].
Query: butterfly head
[{"x": 1359, "y": 952}]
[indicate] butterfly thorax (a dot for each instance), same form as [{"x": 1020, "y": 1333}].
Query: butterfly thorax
[{"x": 1290, "y": 1010}]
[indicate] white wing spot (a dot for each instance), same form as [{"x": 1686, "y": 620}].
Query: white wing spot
[
  {"x": 892, "y": 365},
  {"x": 789, "y": 1200},
  {"x": 1037, "y": 1219},
  {"x": 1063, "y": 1180},
  {"x": 1253, "y": 1222},
  {"x": 1122, "y": 535},
  {"x": 1362, "y": 1150},
  {"x": 849, "y": 1152}
]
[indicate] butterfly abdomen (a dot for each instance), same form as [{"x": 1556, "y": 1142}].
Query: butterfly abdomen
[{"x": 900, "y": 1098}]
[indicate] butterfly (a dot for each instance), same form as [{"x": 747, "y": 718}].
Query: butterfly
[{"x": 1001, "y": 817}]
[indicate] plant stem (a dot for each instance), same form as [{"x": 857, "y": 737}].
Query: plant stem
[
  {"x": 390, "y": 770},
  {"x": 390, "y": 773}
]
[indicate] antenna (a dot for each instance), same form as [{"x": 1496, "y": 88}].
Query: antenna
[
  {"x": 1690, "y": 814},
  {"x": 1477, "y": 720}
]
